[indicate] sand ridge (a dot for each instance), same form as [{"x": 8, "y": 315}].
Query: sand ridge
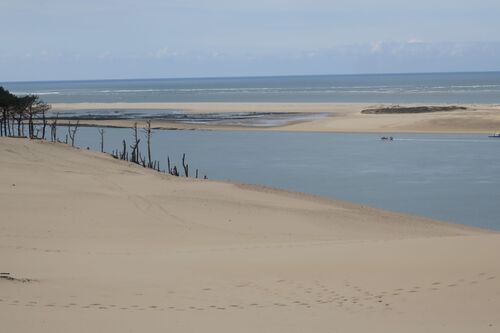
[{"x": 343, "y": 117}]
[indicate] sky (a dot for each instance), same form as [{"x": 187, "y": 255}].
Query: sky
[{"x": 115, "y": 39}]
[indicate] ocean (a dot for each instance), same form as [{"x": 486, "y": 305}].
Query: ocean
[{"x": 377, "y": 88}]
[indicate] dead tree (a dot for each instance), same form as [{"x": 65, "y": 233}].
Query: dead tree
[
  {"x": 53, "y": 129},
  {"x": 101, "y": 132},
  {"x": 135, "y": 147},
  {"x": 124, "y": 154},
  {"x": 44, "y": 121},
  {"x": 72, "y": 132},
  {"x": 135, "y": 157},
  {"x": 185, "y": 165},
  {"x": 148, "y": 132}
]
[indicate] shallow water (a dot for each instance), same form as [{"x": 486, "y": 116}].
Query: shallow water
[
  {"x": 442, "y": 176},
  {"x": 254, "y": 119}
]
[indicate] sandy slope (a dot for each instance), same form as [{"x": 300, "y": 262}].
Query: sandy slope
[
  {"x": 112, "y": 247},
  {"x": 343, "y": 117}
]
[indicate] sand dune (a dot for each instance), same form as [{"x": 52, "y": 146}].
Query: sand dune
[
  {"x": 94, "y": 244},
  {"x": 343, "y": 117}
]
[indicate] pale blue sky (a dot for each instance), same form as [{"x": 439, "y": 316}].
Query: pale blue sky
[{"x": 98, "y": 39}]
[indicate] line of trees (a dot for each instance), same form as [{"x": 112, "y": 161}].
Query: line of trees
[{"x": 19, "y": 112}]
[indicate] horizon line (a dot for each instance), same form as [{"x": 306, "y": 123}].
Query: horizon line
[{"x": 248, "y": 76}]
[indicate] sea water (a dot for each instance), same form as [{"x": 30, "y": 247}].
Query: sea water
[{"x": 376, "y": 88}]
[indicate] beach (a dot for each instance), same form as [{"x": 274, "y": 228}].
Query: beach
[
  {"x": 91, "y": 243},
  {"x": 338, "y": 117}
]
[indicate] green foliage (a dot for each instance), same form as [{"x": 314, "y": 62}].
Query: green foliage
[{"x": 18, "y": 109}]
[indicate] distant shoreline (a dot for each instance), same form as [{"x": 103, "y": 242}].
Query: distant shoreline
[{"x": 340, "y": 117}]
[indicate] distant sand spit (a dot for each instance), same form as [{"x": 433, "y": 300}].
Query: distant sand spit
[
  {"x": 92, "y": 244},
  {"x": 344, "y": 117}
]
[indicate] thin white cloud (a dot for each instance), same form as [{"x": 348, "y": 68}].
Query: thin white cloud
[{"x": 165, "y": 53}]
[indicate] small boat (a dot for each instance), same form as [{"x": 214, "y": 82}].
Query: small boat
[
  {"x": 496, "y": 135},
  {"x": 390, "y": 138}
]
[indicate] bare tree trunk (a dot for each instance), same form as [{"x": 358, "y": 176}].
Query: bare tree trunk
[
  {"x": 185, "y": 165},
  {"x": 53, "y": 130},
  {"x": 148, "y": 135},
  {"x": 31, "y": 129},
  {"x": 4, "y": 122},
  {"x": 19, "y": 120},
  {"x": 135, "y": 149},
  {"x": 44, "y": 120},
  {"x": 13, "y": 126},
  {"x": 8, "y": 127},
  {"x": 101, "y": 132},
  {"x": 72, "y": 132},
  {"x": 124, "y": 152}
]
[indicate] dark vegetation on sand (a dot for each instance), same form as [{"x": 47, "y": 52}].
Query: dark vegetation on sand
[{"x": 396, "y": 109}]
